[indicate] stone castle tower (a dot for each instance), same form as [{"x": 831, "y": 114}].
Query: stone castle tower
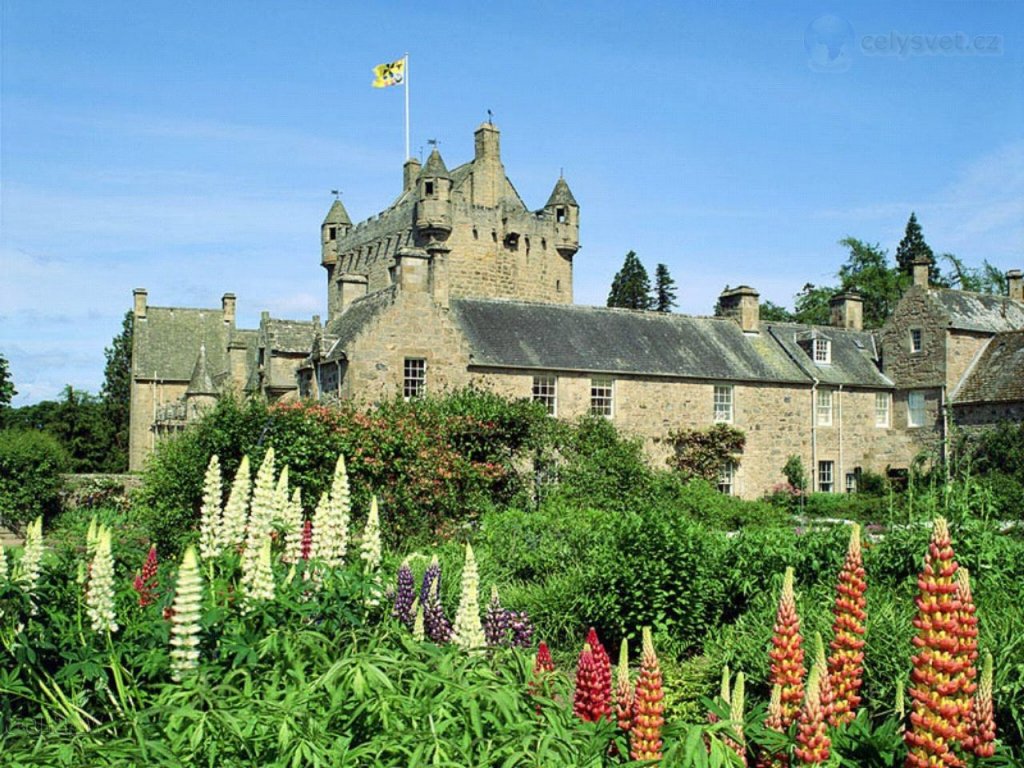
[{"x": 468, "y": 223}]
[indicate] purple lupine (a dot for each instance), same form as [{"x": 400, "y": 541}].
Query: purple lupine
[
  {"x": 496, "y": 621},
  {"x": 404, "y": 596},
  {"x": 435, "y": 623},
  {"x": 521, "y": 628},
  {"x": 432, "y": 574}
]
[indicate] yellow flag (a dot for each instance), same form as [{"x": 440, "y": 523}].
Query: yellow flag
[{"x": 389, "y": 74}]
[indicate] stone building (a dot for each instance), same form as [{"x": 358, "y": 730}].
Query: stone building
[{"x": 458, "y": 282}]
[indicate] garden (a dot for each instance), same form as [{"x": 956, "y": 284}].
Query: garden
[{"x": 467, "y": 582}]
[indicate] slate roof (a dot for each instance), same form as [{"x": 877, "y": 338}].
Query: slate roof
[
  {"x": 854, "y": 360},
  {"x": 983, "y": 312},
  {"x": 561, "y": 194},
  {"x": 355, "y": 318},
  {"x": 167, "y": 341},
  {"x": 435, "y": 166},
  {"x": 287, "y": 336},
  {"x": 337, "y": 214},
  {"x": 998, "y": 374},
  {"x": 514, "y": 334}
]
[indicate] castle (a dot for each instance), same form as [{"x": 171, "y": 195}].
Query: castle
[{"x": 458, "y": 282}]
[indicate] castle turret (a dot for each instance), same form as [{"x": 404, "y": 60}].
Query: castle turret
[
  {"x": 433, "y": 206},
  {"x": 336, "y": 225},
  {"x": 565, "y": 212},
  {"x": 201, "y": 392}
]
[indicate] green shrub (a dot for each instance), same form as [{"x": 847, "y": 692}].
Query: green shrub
[{"x": 31, "y": 465}]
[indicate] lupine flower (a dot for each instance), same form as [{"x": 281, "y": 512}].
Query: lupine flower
[
  {"x": 99, "y": 597},
  {"x": 370, "y": 552},
  {"x": 145, "y": 583},
  {"x": 211, "y": 514},
  {"x": 967, "y": 653},
  {"x": 773, "y": 722},
  {"x": 257, "y": 575},
  {"x": 846, "y": 661},
  {"x": 648, "y": 706},
  {"x": 467, "y": 631},
  {"x": 92, "y": 536},
  {"x": 623, "y": 689},
  {"x": 282, "y": 500},
  {"x": 436, "y": 623},
  {"x": 503, "y": 626},
  {"x": 825, "y": 693},
  {"x": 405, "y": 596},
  {"x": 418, "y": 622},
  {"x": 603, "y": 664},
  {"x": 233, "y": 526},
  {"x": 331, "y": 520},
  {"x": 432, "y": 574},
  {"x": 188, "y": 597},
  {"x": 787, "y": 653},
  {"x": 813, "y": 745},
  {"x": 264, "y": 503},
  {"x": 294, "y": 527},
  {"x": 981, "y": 729},
  {"x": 31, "y": 557},
  {"x": 935, "y": 679},
  {"x": 723, "y": 693},
  {"x": 737, "y": 741},
  {"x": 587, "y": 699},
  {"x": 307, "y": 540}
]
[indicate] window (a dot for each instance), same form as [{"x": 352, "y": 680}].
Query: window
[
  {"x": 825, "y": 475},
  {"x": 915, "y": 340},
  {"x": 851, "y": 482},
  {"x": 332, "y": 233},
  {"x": 428, "y": 188},
  {"x": 560, "y": 216},
  {"x": 915, "y": 409},
  {"x": 723, "y": 405},
  {"x": 545, "y": 390},
  {"x": 822, "y": 351},
  {"x": 882, "y": 403},
  {"x": 824, "y": 408},
  {"x": 601, "y": 396},
  {"x": 415, "y": 379},
  {"x": 727, "y": 479}
]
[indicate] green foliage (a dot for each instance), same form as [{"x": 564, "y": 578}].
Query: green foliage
[
  {"x": 794, "y": 472},
  {"x": 868, "y": 273},
  {"x": 984, "y": 279},
  {"x": 116, "y": 390},
  {"x": 994, "y": 460},
  {"x": 31, "y": 464},
  {"x": 7, "y": 390},
  {"x": 631, "y": 287},
  {"x": 703, "y": 453},
  {"x": 913, "y": 247},
  {"x": 664, "y": 290},
  {"x": 770, "y": 312}
]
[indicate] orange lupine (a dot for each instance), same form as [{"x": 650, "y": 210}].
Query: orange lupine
[
  {"x": 813, "y": 745},
  {"x": 968, "y": 651},
  {"x": 648, "y": 706},
  {"x": 846, "y": 662},
  {"x": 623, "y": 689},
  {"x": 773, "y": 721},
  {"x": 787, "y": 653},
  {"x": 981, "y": 725}
]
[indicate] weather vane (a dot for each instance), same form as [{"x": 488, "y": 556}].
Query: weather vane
[
  {"x": 336, "y": 193},
  {"x": 490, "y": 117}
]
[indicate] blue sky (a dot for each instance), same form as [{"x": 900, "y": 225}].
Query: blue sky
[{"x": 190, "y": 147}]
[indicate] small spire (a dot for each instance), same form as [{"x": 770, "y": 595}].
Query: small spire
[
  {"x": 561, "y": 194},
  {"x": 201, "y": 382},
  {"x": 337, "y": 214},
  {"x": 435, "y": 166}
]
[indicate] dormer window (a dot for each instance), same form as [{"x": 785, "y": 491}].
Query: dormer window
[
  {"x": 560, "y": 215},
  {"x": 428, "y": 188},
  {"x": 822, "y": 351}
]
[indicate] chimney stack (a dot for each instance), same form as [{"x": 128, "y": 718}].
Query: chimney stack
[
  {"x": 410, "y": 171},
  {"x": 350, "y": 287},
  {"x": 742, "y": 305},
  {"x": 227, "y": 306},
  {"x": 1015, "y": 284},
  {"x": 847, "y": 311},
  {"x": 413, "y": 267},
  {"x": 140, "y": 295},
  {"x": 922, "y": 267}
]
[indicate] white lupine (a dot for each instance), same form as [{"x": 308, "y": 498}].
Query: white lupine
[
  {"x": 31, "y": 556},
  {"x": 257, "y": 576},
  {"x": 281, "y": 501},
  {"x": 370, "y": 552},
  {"x": 233, "y": 527},
  {"x": 331, "y": 520},
  {"x": 211, "y": 516},
  {"x": 3, "y": 565},
  {"x": 293, "y": 528},
  {"x": 99, "y": 595},
  {"x": 91, "y": 537},
  {"x": 467, "y": 631},
  {"x": 264, "y": 501},
  {"x": 188, "y": 598}
]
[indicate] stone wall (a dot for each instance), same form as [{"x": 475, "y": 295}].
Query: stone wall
[
  {"x": 978, "y": 416},
  {"x": 146, "y": 398},
  {"x": 962, "y": 348},
  {"x": 915, "y": 370}
]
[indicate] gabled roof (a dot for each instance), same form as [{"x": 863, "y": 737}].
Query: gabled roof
[
  {"x": 355, "y": 318},
  {"x": 853, "y": 354},
  {"x": 287, "y": 336},
  {"x": 561, "y": 195},
  {"x": 560, "y": 337},
  {"x": 167, "y": 341},
  {"x": 998, "y": 373},
  {"x": 983, "y": 312}
]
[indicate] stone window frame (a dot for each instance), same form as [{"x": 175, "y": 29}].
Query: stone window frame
[
  {"x": 723, "y": 404},
  {"x": 826, "y": 476},
  {"x": 823, "y": 407},
  {"x": 883, "y": 409},
  {"x": 822, "y": 348},
  {"x": 545, "y": 390},
  {"x": 602, "y": 396},
  {"x": 916, "y": 405},
  {"x": 916, "y": 341},
  {"x": 414, "y": 377},
  {"x": 726, "y": 481}
]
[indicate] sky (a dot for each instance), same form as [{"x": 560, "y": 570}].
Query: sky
[{"x": 190, "y": 148}]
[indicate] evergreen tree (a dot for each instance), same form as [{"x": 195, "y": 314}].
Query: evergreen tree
[
  {"x": 7, "y": 390},
  {"x": 664, "y": 290},
  {"x": 913, "y": 246},
  {"x": 631, "y": 287},
  {"x": 117, "y": 389}
]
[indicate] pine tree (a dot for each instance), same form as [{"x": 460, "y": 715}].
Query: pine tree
[
  {"x": 664, "y": 290},
  {"x": 117, "y": 386},
  {"x": 913, "y": 246},
  {"x": 631, "y": 287}
]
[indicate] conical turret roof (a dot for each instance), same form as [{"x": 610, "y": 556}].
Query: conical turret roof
[
  {"x": 435, "y": 166},
  {"x": 561, "y": 195},
  {"x": 337, "y": 214},
  {"x": 201, "y": 382}
]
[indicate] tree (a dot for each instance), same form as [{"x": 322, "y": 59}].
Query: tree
[
  {"x": 913, "y": 246},
  {"x": 812, "y": 304},
  {"x": 117, "y": 390},
  {"x": 664, "y": 290},
  {"x": 7, "y": 390},
  {"x": 631, "y": 287},
  {"x": 984, "y": 279},
  {"x": 771, "y": 312},
  {"x": 867, "y": 272}
]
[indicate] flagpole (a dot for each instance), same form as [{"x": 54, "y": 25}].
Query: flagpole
[{"x": 407, "y": 155}]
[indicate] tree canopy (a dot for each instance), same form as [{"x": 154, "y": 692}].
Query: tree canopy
[
  {"x": 631, "y": 287},
  {"x": 664, "y": 289},
  {"x": 7, "y": 390},
  {"x": 117, "y": 388},
  {"x": 913, "y": 246}
]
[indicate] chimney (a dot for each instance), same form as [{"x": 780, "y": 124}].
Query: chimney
[
  {"x": 140, "y": 295},
  {"x": 439, "y": 288},
  {"x": 922, "y": 266},
  {"x": 1015, "y": 284},
  {"x": 488, "y": 173},
  {"x": 741, "y": 304},
  {"x": 847, "y": 311},
  {"x": 350, "y": 287},
  {"x": 227, "y": 307},
  {"x": 410, "y": 171},
  {"x": 413, "y": 268}
]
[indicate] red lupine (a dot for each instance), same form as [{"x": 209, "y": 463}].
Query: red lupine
[
  {"x": 604, "y": 665},
  {"x": 846, "y": 662},
  {"x": 623, "y": 690},
  {"x": 787, "y": 653},
  {"x": 825, "y": 693},
  {"x": 543, "y": 667},
  {"x": 648, "y": 706},
  {"x": 146, "y": 583},
  {"x": 813, "y": 746},
  {"x": 307, "y": 540},
  {"x": 935, "y": 718},
  {"x": 968, "y": 651},
  {"x": 589, "y": 701},
  {"x": 981, "y": 724}
]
